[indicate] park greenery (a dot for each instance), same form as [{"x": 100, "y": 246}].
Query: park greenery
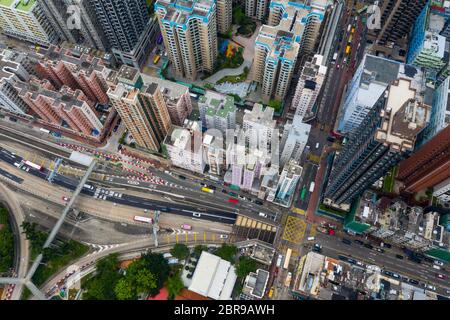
[
  {"x": 174, "y": 284},
  {"x": 224, "y": 62},
  {"x": 146, "y": 275},
  {"x": 244, "y": 266},
  {"x": 237, "y": 78},
  {"x": 246, "y": 25},
  {"x": 55, "y": 257},
  {"x": 276, "y": 105},
  {"x": 6, "y": 241},
  {"x": 180, "y": 251},
  {"x": 227, "y": 252}
]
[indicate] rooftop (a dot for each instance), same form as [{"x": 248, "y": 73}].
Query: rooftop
[
  {"x": 179, "y": 12},
  {"x": 22, "y": 5},
  {"x": 213, "y": 277}
]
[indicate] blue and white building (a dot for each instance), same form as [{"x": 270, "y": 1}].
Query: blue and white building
[
  {"x": 292, "y": 29},
  {"x": 189, "y": 30}
]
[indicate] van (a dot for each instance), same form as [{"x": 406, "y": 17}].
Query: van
[
  {"x": 223, "y": 236},
  {"x": 436, "y": 267},
  {"x": 310, "y": 238},
  {"x": 317, "y": 145},
  {"x": 198, "y": 215},
  {"x": 262, "y": 214},
  {"x": 17, "y": 164}
]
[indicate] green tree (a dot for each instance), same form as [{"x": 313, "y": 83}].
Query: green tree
[
  {"x": 180, "y": 251},
  {"x": 36, "y": 237},
  {"x": 174, "y": 285},
  {"x": 226, "y": 252},
  {"x": 159, "y": 267},
  {"x": 275, "y": 104},
  {"x": 140, "y": 278},
  {"x": 245, "y": 266},
  {"x": 124, "y": 290},
  {"x": 102, "y": 286}
]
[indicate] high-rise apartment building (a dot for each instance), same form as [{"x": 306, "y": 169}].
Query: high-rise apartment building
[
  {"x": 309, "y": 86},
  {"x": 12, "y": 72},
  {"x": 429, "y": 165},
  {"x": 189, "y": 30},
  {"x": 440, "y": 113},
  {"x": 386, "y": 136},
  {"x": 64, "y": 108},
  {"x": 427, "y": 48},
  {"x": 369, "y": 82},
  {"x": 184, "y": 147},
  {"x": 86, "y": 73},
  {"x": 397, "y": 19},
  {"x": 127, "y": 26},
  {"x": 259, "y": 127},
  {"x": 293, "y": 28},
  {"x": 294, "y": 140},
  {"x": 217, "y": 111},
  {"x": 214, "y": 154},
  {"x": 75, "y": 22},
  {"x": 224, "y": 15},
  {"x": 122, "y": 22},
  {"x": 257, "y": 9},
  {"x": 288, "y": 181},
  {"x": 25, "y": 20},
  {"x": 140, "y": 103}
]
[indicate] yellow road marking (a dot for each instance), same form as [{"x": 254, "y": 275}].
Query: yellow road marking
[
  {"x": 168, "y": 239},
  {"x": 214, "y": 237},
  {"x": 204, "y": 236},
  {"x": 294, "y": 229},
  {"x": 195, "y": 237},
  {"x": 186, "y": 237},
  {"x": 298, "y": 211},
  {"x": 176, "y": 237}
]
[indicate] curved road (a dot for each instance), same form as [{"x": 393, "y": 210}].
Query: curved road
[
  {"x": 87, "y": 263},
  {"x": 22, "y": 245}
]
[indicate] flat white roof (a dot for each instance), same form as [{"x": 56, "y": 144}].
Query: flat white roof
[{"x": 213, "y": 277}]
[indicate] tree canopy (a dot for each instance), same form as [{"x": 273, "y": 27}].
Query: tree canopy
[
  {"x": 174, "y": 285},
  {"x": 103, "y": 285},
  {"x": 180, "y": 251},
  {"x": 227, "y": 252},
  {"x": 245, "y": 266}
]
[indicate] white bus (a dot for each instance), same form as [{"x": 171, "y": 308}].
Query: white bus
[
  {"x": 311, "y": 186},
  {"x": 288, "y": 258},
  {"x": 143, "y": 219},
  {"x": 33, "y": 165}
]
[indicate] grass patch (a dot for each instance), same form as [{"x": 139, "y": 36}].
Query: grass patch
[{"x": 276, "y": 105}]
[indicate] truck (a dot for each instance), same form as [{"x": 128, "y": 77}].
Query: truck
[
  {"x": 287, "y": 282},
  {"x": 335, "y": 57},
  {"x": 311, "y": 186},
  {"x": 207, "y": 190}
]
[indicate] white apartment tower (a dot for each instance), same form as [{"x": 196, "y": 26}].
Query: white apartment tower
[
  {"x": 294, "y": 139},
  {"x": 309, "y": 86}
]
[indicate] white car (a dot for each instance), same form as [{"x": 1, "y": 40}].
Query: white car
[
  {"x": 223, "y": 236},
  {"x": 439, "y": 263}
]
